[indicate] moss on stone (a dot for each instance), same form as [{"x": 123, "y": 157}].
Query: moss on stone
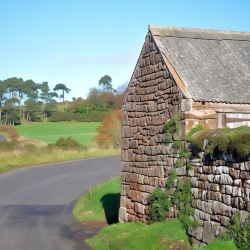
[{"x": 232, "y": 141}]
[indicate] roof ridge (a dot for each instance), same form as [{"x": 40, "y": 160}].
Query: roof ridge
[{"x": 195, "y": 33}]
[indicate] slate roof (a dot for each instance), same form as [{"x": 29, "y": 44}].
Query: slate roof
[{"x": 213, "y": 65}]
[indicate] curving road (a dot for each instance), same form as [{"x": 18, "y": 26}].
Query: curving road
[{"x": 36, "y": 204}]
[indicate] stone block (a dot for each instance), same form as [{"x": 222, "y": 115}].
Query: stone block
[
  {"x": 225, "y": 221},
  {"x": 243, "y": 216},
  {"x": 210, "y": 231},
  {"x": 234, "y": 173},
  {"x": 223, "y": 179},
  {"x": 197, "y": 232},
  {"x": 236, "y": 191},
  {"x": 245, "y": 175},
  {"x": 139, "y": 208},
  {"x": 226, "y": 199},
  {"x": 181, "y": 171},
  {"x": 237, "y": 182},
  {"x": 200, "y": 215},
  {"x": 228, "y": 189},
  {"x": 210, "y": 178},
  {"x": 123, "y": 216},
  {"x": 222, "y": 170}
]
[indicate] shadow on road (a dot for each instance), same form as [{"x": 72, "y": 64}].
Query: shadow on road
[{"x": 111, "y": 204}]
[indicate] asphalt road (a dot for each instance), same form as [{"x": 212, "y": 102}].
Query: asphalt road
[{"x": 36, "y": 204}]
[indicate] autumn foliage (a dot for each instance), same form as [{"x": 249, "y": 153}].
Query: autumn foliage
[
  {"x": 10, "y": 131},
  {"x": 109, "y": 134}
]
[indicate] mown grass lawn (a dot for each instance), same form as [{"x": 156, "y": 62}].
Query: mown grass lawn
[{"x": 83, "y": 132}]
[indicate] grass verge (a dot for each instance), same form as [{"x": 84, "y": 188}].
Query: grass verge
[
  {"x": 16, "y": 159},
  {"x": 219, "y": 245},
  {"x": 168, "y": 235},
  {"x": 101, "y": 203}
]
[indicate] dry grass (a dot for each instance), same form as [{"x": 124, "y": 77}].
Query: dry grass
[
  {"x": 9, "y": 131},
  {"x": 30, "y": 155},
  {"x": 19, "y": 151}
]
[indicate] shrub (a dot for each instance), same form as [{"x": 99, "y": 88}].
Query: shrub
[
  {"x": 182, "y": 199},
  {"x": 173, "y": 124},
  {"x": 178, "y": 163},
  {"x": 109, "y": 134},
  {"x": 92, "y": 116},
  {"x": 68, "y": 143},
  {"x": 10, "y": 131},
  {"x": 168, "y": 138},
  {"x": 159, "y": 205},
  {"x": 6, "y": 146},
  {"x": 170, "y": 180},
  {"x": 185, "y": 153},
  {"x": 189, "y": 166},
  {"x": 239, "y": 233},
  {"x": 31, "y": 148},
  {"x": 176, "y": 145}
]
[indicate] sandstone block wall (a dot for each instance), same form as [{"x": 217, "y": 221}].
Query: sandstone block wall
[
  {"x": 219, "y": 188},
  {"x": 151, "y": 99}
]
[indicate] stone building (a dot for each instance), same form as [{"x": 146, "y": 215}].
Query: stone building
[{"x": 204, "y": 75}]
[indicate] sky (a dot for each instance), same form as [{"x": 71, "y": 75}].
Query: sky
[{"x": 76, "y": 42}]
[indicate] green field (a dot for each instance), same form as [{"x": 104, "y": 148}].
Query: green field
[{"x": 83, "y": 132}]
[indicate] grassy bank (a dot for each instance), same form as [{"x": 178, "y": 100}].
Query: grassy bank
[
  {"x": 33, "y": 155},
  {"x": 168, "y": 235},
  {"x": 218, "y": 245},
  {"x": 102, "y": 203},
  {"x": 50, "y": 132}
]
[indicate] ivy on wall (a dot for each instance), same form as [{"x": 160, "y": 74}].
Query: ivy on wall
[{"x": 178, "y": 192}]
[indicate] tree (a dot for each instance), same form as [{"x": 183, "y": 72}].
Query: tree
[
  {"x": 44, "y": 96},
  {"x": 61, "y": 87},
  {"x": 3, "y": 89},
  {"x": 109, "y": 134},
  {"x": 105, "y": 83},
  {"x": 119, "y": 96}
]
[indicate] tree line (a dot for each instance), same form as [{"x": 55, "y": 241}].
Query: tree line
[
  {"x": 21, "y": 101},
  {"x": 26, "y": 101},
  {"x": 99, "y": 101}
]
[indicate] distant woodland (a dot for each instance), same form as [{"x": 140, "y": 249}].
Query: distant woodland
[{"x": 27, "y": 101}]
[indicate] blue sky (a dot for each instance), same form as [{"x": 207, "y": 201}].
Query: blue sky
[{"x": 77, "y": 42}]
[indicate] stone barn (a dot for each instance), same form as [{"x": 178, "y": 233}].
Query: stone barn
[{"x": 203, "y": 75}]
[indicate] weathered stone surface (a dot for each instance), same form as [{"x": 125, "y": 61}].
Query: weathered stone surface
[
  {"x": 210, "y": 230},
  {"x": 218, "y": 191},
  {"x": 123, "y": 216},
  {"x": 181, "y": 171},
  {"x": 223, "y": 179}
]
